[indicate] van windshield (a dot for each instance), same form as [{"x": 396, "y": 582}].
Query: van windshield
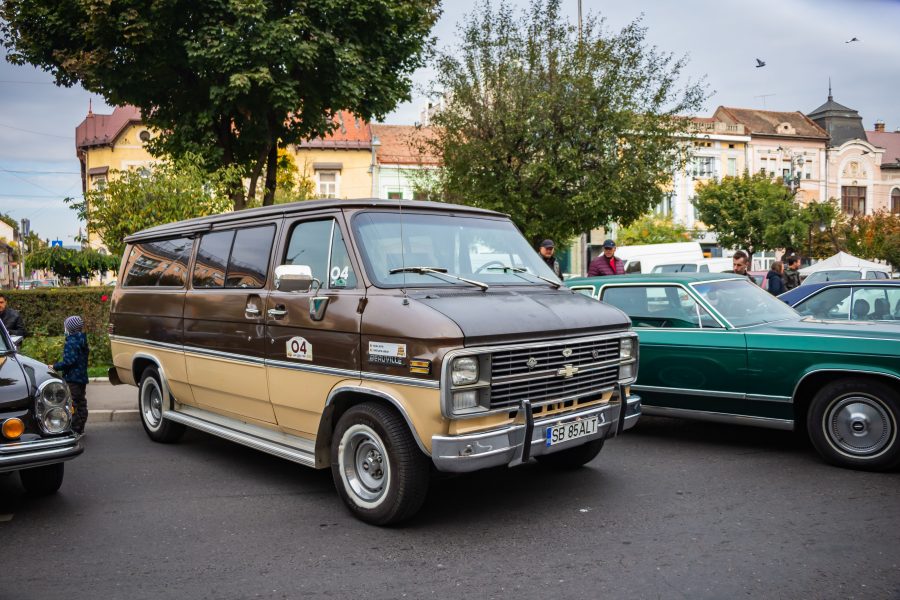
[{"x": 490, "y": 251}]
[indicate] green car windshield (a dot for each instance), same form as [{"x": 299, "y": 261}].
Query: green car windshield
[{"x": 743, "y": 304}]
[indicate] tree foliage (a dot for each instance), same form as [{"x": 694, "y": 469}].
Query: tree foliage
[
  {"x": 750, "y": 212},
  {"x": 564, "y": 135},
  {"x": 133, "y": 200},
  {"x": 231, "y": 80},
  {"x": 71, "y": 264},
  {"x": 826, "y": 230},
  {"x": 875, "y": 236},
  {"x": 653, "y": 229}
]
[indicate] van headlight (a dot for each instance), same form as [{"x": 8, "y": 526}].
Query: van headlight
[
  {"x": 626, "y": 349},
  {"x": 464, "y": 370},
  {"x": 53, "y": 406}
]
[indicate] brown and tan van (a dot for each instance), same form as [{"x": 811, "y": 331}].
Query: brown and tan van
[{"x": 379, "y": 339}]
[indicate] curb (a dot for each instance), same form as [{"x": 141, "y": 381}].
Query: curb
[
  {"x": 107, "y": 416},
  {"x": 98, "y": 379}
]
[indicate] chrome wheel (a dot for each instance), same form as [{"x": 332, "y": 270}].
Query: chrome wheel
[
  {"x": 859, "y": 425},
  {"x": 364, "y": 465},
  {"x": 151, "y": 403}
]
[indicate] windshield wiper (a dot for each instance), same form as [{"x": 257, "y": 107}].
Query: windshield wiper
[
  {"x": 439, "y": 271},
  {"x": 518, "y": 272}
]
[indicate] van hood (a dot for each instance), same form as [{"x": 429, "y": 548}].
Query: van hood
[{"x": 503, "y": 315}]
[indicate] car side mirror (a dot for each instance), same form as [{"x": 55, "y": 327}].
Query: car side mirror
[
  {"x": 16, "y": 340},
  {"x": 294, "y": 278}
]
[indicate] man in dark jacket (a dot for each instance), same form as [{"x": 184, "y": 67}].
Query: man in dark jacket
[
  {"x": 546, "y": 250},
  {"x": 11, "y": 318},
  {"x": 792, "y": 272},
  {"x": 741, "y": 263},
  {"x": 606, "y": 263}
]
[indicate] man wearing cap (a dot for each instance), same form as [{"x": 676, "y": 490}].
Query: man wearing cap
[
  {"x": 606, "y": 263},
  {"x": 546, "y": 251}
]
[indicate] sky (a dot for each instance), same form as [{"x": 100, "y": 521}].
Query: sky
[{"x": 803, "y": 43}]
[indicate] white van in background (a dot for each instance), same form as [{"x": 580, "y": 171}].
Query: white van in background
[
  {"x": 705, "y": 265},
  {"x": 643, "y": 259}
]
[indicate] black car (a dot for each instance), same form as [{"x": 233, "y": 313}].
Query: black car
[{"x": 35, "y": 420}]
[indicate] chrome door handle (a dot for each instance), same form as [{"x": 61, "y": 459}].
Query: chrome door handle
[
  {"x": 276, "y": 312},
  {"x": 251, "y": 310}
]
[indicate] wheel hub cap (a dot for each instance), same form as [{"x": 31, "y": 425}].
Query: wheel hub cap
[
  {"x": 364, "y": 464},
  {"x": 860, "y": 425},
  {"x": 151, "y": 400}
]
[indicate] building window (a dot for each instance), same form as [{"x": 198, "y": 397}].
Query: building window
[
  {"x": 853, "y": 200},
  {"x": 703, "y": 166},
  {"x": 395, "y": 195},
  {"x": 732, "y": 167},
  {"x": 328, "y": 183},
  {"x": 763, "y": 162},
  {"x": 895, "y": 201},
  {"x": 100, "y": 183}
]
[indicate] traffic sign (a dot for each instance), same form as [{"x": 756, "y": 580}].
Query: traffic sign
[{"x": 56, "y": 244}]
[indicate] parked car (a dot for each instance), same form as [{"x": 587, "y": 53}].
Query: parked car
[
  {"x": 704, "y": 265},
  {"x": 845, "y": 274},
  {"x": 859, "y": 300},
  {"x": 718, "y": 348},
  {"x": 36, "y": 437},
  {"x": 376, "y": 341},
  {"x": 759, "y": 277}
]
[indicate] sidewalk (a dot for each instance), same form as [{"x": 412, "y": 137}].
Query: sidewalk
[{"x": 107, "y": 402}]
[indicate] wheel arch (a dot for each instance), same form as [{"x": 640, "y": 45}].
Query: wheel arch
[
  {"x": 139, "y": 363},
  {"x": 339, "y": 401},
  {"x": 816, "y": 379}
]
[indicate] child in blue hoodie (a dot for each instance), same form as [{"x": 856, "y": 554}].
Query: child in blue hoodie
[{"x": 73, "y": 366}]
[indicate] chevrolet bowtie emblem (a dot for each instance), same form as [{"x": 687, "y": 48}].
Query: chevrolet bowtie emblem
[
  {"x": 531, "y": 363},
  {"x": 567, "y": 352},
  {"x": 567, "y": 371}
]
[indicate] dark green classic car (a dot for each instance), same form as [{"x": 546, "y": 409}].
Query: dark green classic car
[{"x": 717, "y": 347}]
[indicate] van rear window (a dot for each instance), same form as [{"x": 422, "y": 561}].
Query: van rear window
[{"x": 160, "y": 263}]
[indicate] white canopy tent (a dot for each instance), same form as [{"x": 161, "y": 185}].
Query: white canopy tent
[{"x": 842, "y": 259}]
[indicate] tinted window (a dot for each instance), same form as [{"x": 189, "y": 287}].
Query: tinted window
[
  {"x": 832, "y": 303},
  {"x": 248, "y": 266},
  {"x": 212, "y": 258},
  {"x": 158, "y": 263}
]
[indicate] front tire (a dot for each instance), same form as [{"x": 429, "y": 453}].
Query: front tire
[
  {"x": 377, "y": 467},
  {"x": 852, "y": 423},
  {"x": 572, "y": 458},
  {"x": 43, "y": 481},
  {"x": 150, "y": 406}
]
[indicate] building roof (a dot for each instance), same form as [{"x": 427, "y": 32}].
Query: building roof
[
  {"x": 405, "y": 145},
  {"x": 842, "y": 124},
  {"x": 102, "y": 130},
  {"x": 350, "y": 133},
  {"x": 890, "y": 141},
  {"x": 772, "y": 123}
]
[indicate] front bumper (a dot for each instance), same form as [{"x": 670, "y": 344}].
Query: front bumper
[
  {"x": 515, "y": 444},
  {"x": 37, "y": 453}
]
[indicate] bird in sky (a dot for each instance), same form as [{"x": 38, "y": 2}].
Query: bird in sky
[
  {"x": 760, "y": 63},
  {"x": 851, "y": 40}
]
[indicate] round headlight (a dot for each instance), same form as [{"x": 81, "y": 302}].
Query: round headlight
[
  {"x": 464, "y": 370},
  {"x": 56, "y": 420},
  {"x": 55, "y": 393}
]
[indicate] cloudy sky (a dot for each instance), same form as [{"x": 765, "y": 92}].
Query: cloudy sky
[{"x": 801, "y": 41}]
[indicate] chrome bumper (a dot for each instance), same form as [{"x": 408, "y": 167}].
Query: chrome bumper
[
  {"x": 515, "y": 444},
  {"x": 37, "y": 453}
]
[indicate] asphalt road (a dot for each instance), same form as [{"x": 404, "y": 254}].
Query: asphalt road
[{"x": 672, "y": 509}]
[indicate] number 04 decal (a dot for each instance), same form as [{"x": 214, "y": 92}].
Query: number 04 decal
[{"x": 299, "y": 348}]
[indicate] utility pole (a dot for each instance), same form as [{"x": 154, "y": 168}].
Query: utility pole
[{"x": 579, "y": 21}]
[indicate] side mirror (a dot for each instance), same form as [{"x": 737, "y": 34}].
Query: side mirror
[
  {"x": 294, "y": 278},
  {"x": 16, "y": 340}
]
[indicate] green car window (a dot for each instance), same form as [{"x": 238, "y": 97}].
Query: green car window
[{"x": 743, "y": 304}]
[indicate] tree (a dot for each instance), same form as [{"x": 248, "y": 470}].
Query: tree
[
  {"x": 564, "y": 134},
  {"x": 826, "y": 229},
  {"x": 653, "y": 229},
  {"x": 71, "y": 264},
  {"x": 751, "y": 212},
  {"x": 133, "y": 200},
  {"x": 231, "y": 80},
  {"x": 875, "y": 236}
]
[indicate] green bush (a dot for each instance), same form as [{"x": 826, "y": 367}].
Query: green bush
[
  {"x": 49, "y": 349},
  {"x": 44, "y": 310}
]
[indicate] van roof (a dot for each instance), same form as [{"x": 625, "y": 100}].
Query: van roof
[{"x": 293, "y": 208}]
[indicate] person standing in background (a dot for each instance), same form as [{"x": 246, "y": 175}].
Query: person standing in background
[
  {"x": 606, "y": 263},
  {"x": 774, "y": 282},
  {"x": 11, "y": 318},
  {"x": 546, "y": 250},
  {"x": 792, "y": 272}
]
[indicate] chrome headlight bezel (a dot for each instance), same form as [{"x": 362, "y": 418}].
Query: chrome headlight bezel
[
  {"x": 464, "y": 370},
  {"x": 628, "y": 359},
  {"x": 53, "y": 404}
]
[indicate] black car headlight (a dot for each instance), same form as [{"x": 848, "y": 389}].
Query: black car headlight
[{"x": 53, "y": 406}]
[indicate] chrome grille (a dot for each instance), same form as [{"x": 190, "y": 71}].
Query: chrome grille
[{"x": 532, "y": 373}]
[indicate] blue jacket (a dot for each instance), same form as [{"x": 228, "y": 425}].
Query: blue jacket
[
  {"x": 74, "y": 364},
  {"x": 776, "y": 284}
]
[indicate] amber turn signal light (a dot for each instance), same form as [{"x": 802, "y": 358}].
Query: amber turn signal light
[{"x": 13, "y": 428}]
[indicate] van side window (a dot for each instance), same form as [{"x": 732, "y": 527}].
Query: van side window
[
  {"x": 212, "y": 257},
  {"x": 320, "y": 246},
  {"x": 161, "y": 263},
  {"x": 248, "y": 266}
]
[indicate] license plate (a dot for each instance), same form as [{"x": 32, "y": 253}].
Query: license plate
[{"x": 573, "y": 430}]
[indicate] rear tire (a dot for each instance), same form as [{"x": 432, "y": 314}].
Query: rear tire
[
  {"x": 150, "y": 405},
  {"x": 572, "y": 458},
  {"x": 852, "y": 423},
  {"x": 43, "y": 481},
  {"x": 377, "y": 467}
]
